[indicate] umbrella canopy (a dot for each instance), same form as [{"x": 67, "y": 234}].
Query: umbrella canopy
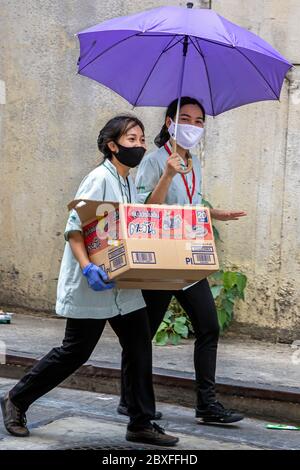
[{"x": 153, "y": 57}]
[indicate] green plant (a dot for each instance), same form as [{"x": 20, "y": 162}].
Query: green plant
[
  {"x": 227, "y": 287},
  {"x": 175, "y": 325}
]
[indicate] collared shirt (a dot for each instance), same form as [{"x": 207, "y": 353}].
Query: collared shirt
[
  {"x": 150, "y": 171},
  {"x": 75, "y": 299}
]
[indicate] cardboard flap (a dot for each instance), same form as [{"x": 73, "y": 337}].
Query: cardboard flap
[
  {"x": 87, "y": 208},
  {"x": 74, "y": 203}
]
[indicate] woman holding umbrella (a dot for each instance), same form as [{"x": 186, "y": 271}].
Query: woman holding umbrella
[
  {"x": 87, "y": 300},
  {"x": 160, "y": 180}
]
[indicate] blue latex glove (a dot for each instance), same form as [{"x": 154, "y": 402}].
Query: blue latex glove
[{"x": 96, "y": 278}]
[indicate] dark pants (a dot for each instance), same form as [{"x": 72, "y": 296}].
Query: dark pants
[
  {"x": 81, "y": 337},
  {"x": 199, "y": 304}
]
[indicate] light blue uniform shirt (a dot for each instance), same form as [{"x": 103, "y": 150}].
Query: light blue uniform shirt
[
  {"x": 75, "y": 299},
  {"x": 150, "y": 171}
]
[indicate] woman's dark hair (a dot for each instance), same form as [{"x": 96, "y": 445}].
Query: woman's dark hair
[
  {"x": 164, "y": 135},
  {"x": 114, "y": 129}
]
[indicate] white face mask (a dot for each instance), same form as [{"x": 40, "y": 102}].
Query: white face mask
[{"x": 187, "y": 135}]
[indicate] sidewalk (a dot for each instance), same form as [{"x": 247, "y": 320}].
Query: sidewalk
[
  {"x": 243, "y": 360},
  {"x": 243, "y": 364},
  {"x": 68, "y": 419}
]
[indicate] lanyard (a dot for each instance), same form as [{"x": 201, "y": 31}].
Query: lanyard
[
  {"x": 121, "y": 185},
  {"x": 189, "y": 194},
  {"x": 121, "y": 189}
]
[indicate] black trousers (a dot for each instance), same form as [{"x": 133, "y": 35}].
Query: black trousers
[
  {"x": 81, "y": 337},
  {"x": 199, "y": 305}
]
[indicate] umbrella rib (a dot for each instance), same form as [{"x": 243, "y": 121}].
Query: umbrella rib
[
  {"x": 219, "y": 43},
  {"x": 151, "y": 71},
  {"x": 166, "y": 35},
  {"x": 206, "y": 70},
  {"x": 173, "y": 45},
  {"x": 257, "y": 69},
  {"x": 109, "y": 48}
]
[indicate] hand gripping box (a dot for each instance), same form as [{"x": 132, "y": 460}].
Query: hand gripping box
[{"x": 148, "y": 246}]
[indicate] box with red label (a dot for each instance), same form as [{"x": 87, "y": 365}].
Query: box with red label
[{"x": 148, "y": 246}]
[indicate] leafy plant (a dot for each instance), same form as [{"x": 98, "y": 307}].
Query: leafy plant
[
  {"x": 227, "y": 287},
  {"x": 175, "y": 325}
]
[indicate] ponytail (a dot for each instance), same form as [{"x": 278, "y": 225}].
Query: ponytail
[{"x": 163, "y": 137}]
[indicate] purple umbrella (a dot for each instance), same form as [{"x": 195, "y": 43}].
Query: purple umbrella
[{"x": 153, "y": 57}]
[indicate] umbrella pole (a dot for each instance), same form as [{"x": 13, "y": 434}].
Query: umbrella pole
[{"x": 185, "y": 49}]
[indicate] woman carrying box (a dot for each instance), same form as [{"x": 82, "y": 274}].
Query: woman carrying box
[
  {"x": 159, "y": 181},
  {"x": 87, "y": 299}
]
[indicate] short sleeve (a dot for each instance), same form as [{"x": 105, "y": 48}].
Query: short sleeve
[
  {"x": 91, "y": 187},
  {"x": 73, "y": 224},
  {"x": 147, "y": 178}
]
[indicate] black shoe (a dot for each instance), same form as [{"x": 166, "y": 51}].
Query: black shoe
[
  {"x": 122, "y": 410},
  {"x": 14, "y": 419},
  {"x": 216, "y": 413},
  {"x": 152, "y": 434}
]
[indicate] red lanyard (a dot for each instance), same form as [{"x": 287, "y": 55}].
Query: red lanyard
[{"x": 190, "y": 196}]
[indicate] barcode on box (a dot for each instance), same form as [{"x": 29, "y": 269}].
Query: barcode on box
[
  {"x": 203, "y": 258},
  {"x": 205, "y": 248},
  {"x": 143, "y": 257},
  {"x": 113, "y": 253},
  {"x": 117, "y": 263}
]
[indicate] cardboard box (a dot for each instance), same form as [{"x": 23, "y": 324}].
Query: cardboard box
[{"x": 148, "y": 246}]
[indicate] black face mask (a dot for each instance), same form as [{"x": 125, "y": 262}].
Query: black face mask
[{"x": 130, "y": 156}]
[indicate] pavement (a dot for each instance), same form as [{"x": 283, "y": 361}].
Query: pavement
[
  {"x": 71, "y": 418},
  {"x": 240, "y": 359},
  {"x": 75, "y": 419}
]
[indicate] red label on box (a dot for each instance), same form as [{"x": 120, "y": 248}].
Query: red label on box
[
  {"x": 97, "y": 233},
  {"x": 143, "y": 222},
  {"x": 196, "y": 224},
  {"x": 177, "y": 223},
  {"x": 92, "y": 242}
]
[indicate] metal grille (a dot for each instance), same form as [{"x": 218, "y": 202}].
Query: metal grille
[
  {"x": 114, "y": 444},
  {"x": 112, "y": 447}
]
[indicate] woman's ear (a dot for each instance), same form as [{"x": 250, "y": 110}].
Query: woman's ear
[
  {"x": 112, "y": 146},
  {"x": 168, "y": 121}
]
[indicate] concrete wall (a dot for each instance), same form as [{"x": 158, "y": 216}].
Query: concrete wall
[{"x": 48, "y": 130}]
